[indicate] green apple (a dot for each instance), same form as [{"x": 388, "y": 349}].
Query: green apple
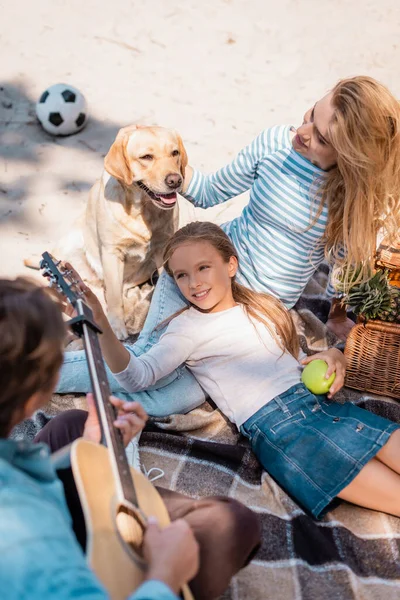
[{"x": 313, "y": 377}]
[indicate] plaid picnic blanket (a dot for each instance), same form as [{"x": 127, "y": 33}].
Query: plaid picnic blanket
[{"x": 352, "y": 554}]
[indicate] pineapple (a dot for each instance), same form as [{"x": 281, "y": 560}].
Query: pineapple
[{"x": 375, "y": 298}]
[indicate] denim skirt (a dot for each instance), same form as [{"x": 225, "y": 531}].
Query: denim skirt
[{"x": 314, "y": 447}]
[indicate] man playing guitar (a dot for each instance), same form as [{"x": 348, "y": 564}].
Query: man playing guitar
[{"x": 40, "y": 555}]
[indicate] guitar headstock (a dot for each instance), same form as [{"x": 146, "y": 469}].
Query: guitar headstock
[
  {"x": 63, "y": 280},
  {"x": 59, "y": 277}
]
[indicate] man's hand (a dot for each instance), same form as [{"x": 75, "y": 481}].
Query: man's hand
[
  {"x": 336, "y": 362},
  {"x": 131, "y": 419},
  {"x": 172, "y": 553}
]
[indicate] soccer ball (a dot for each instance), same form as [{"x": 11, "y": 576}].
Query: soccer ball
[{"x": 62, "y": 110}]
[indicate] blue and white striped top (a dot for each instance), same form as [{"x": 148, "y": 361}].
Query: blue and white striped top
[{"x": 277, "y": 253}]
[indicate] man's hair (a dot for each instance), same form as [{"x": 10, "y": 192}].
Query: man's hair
[{"x": 32, "y": 333}]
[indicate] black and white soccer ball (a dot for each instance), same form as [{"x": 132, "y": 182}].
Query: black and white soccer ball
[{"x": 62, "y": 109}]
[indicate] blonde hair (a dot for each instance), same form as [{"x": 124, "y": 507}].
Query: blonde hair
[
  {"x": 32, "y": 334},
  {"x": 362, "y": 192},
  {"x": 277, "y": 318}
]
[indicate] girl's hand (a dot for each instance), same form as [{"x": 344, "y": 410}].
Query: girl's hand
[
  {"x": 115, "y": 354},
  {"x": 336, "y": 362},
  {"x": 131, "y": 419},
  {"x": 88, "y": 297}
]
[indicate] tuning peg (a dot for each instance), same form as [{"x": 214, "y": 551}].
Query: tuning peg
[{"x": 48, "y": 274}]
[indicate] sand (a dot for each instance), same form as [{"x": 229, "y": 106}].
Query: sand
[{"x": 218, "y": 71}]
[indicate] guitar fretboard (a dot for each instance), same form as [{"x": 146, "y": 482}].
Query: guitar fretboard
[{"x": 111, "y": 437}]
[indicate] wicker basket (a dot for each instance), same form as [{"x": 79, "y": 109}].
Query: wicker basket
[
  {"x": 388, "y": 256},
  {"x": 373, "y": 358}
]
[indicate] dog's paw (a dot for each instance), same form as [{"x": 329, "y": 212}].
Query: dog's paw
[
  {"x": 118, "y": 327},
  {"x": 32, "y": 262}
]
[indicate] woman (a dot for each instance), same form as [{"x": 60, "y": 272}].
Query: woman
[{"x": 317, "y": 192}]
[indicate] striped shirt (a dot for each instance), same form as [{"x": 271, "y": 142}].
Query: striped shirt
[{"x": 278, "y": 250}]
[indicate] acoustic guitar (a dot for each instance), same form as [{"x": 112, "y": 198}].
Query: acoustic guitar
[{"x": 116, "y": 499}]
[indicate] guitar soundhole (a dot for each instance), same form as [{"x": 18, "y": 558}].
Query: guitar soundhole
[{"x": 131, "y": 530}]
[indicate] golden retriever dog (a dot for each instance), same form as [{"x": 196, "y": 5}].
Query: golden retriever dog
[{"x": 131, "y": 212}]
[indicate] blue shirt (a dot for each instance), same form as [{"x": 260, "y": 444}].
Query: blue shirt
[
  {"x": 40, "y": 558},
  {"x": 278, "y": 249}
]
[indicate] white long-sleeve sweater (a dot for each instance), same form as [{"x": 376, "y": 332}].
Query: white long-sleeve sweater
[{"x": 234, "y": 358}]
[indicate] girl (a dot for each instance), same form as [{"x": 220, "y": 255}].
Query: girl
[
  {"x": 40, "y": 556},
  {"x": 313, "y": 191},
  {"x": 242, "y": 348}
]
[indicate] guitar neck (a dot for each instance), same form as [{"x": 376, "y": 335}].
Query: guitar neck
[{"x": 110, "y": 436}]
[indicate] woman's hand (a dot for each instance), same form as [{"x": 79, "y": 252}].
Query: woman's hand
[
  {"x": 338, "y": 321},
  {"x": 341, "y": 327},
  {"x": 131, "y": 419},
  {"x": 336, "y": 362},
  {"x": 187, "y": 178}
]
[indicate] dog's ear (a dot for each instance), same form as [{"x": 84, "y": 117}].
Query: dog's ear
[
  {"x": 116, "y": 161},
  {"x": 183, "y": 155}
]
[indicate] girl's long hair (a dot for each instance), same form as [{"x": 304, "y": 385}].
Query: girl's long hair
[
  {"x": 363, "y": 191},
  {"x": 32, "y": 335},
  {"x": 264, "y": 308}
]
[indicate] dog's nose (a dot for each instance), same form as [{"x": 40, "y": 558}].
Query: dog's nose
[{"x": 173, "y": 180}]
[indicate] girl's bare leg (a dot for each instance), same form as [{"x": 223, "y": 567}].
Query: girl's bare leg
[
  {"x": 376, "y": 487},
  {"x": 389, "y": 454}
]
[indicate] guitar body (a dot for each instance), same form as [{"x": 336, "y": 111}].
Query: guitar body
[{"x": 110, "y": 529}]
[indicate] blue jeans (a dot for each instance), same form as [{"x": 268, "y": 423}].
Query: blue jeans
[{"x": 178, "y": 392}]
